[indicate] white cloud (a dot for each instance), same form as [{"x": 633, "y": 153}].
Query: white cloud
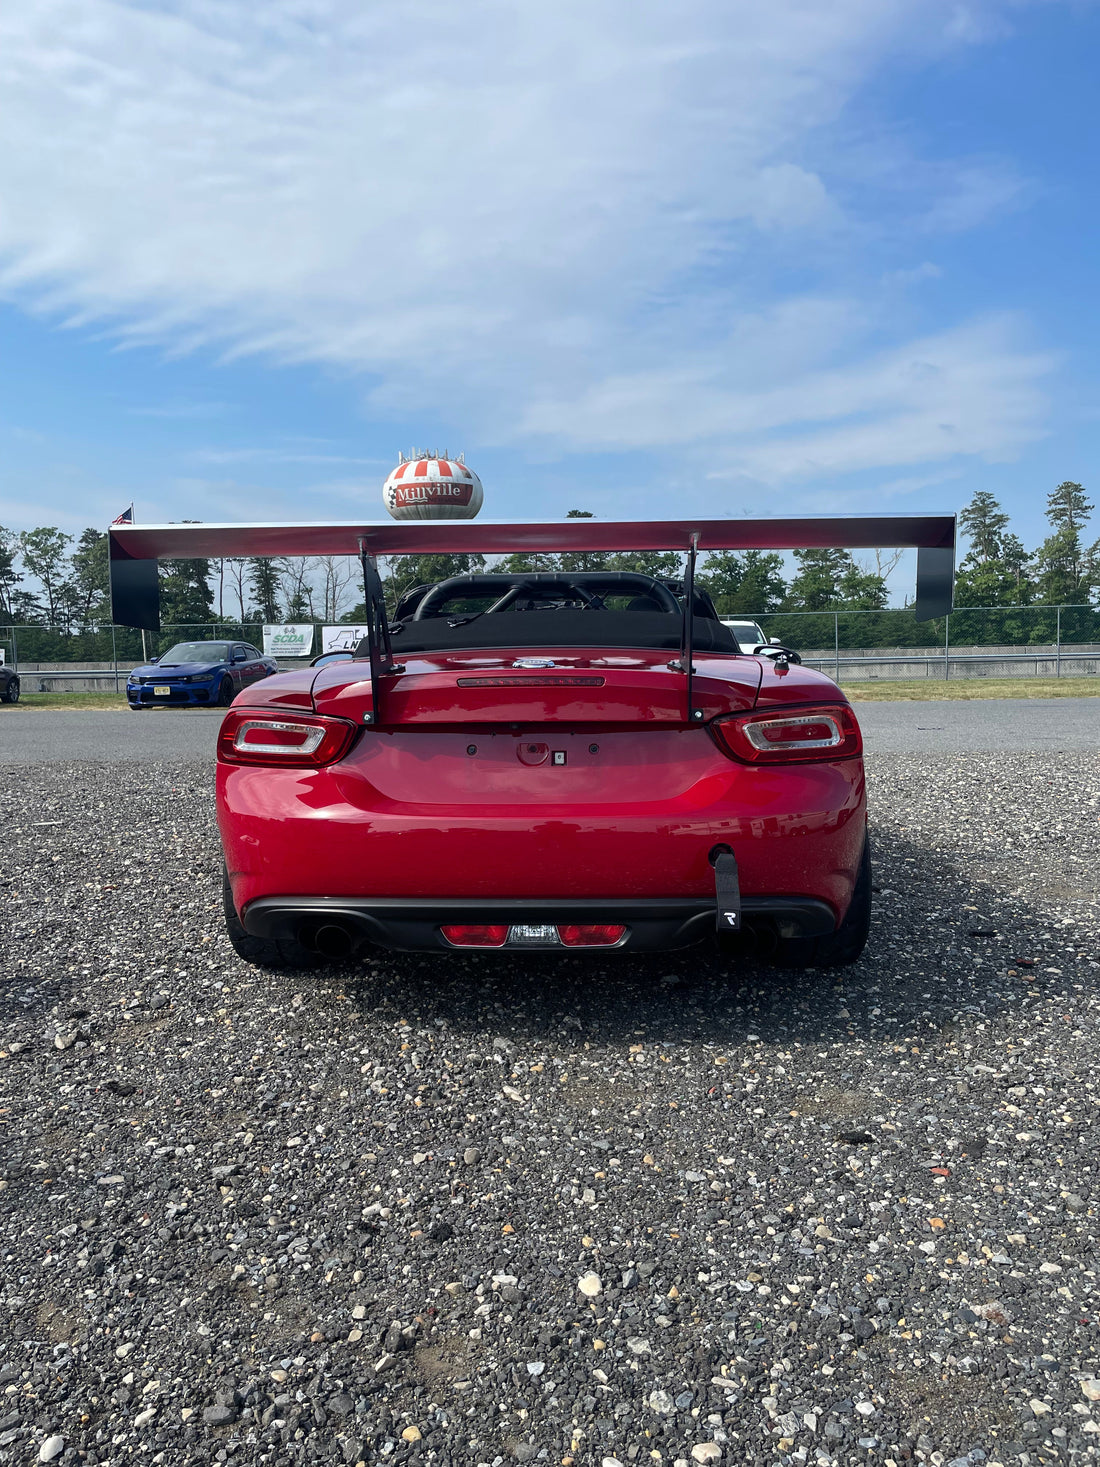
[
  {"x": 970, "y": 391},
  {"x": 926, "y": 270},
  {"x": 506, "y": 215},
  {"x": 277, "y": 456}
]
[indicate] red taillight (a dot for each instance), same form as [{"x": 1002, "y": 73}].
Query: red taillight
[
  {"x": 484, "y": 936},
  {"x": 606, "y": 936},
  {"x": 299, "y": 741},
  {"x": 799, "y": 734}
]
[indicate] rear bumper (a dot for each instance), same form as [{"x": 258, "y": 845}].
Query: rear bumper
[{"x": 412, "y": 924}]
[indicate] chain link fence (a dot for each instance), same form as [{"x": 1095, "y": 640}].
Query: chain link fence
[{"x": 972, "y": 641}]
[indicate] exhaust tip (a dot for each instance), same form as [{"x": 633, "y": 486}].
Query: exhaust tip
[{"x": 331, "y": 941}]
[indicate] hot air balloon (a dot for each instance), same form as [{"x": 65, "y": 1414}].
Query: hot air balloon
[{"x": 428, "y": 486}]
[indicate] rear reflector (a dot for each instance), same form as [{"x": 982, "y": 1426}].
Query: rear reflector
[
  {"x": 301, "y": 741},
  {"x": 533, "y": 934},
  {"x": 782, "y": 738},
  {"x": 606, "y": 936},
  {"x": 476, "y": 936}
]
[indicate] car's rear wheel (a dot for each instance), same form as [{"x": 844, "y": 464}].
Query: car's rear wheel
[
  {"x": 225, "y": 692},
  {"x": 836, "y": 949},
  {"x": 11, "y": 691},
  {"x": 264, "y": 952}
]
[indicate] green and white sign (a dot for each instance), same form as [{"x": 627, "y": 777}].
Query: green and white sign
[{"x": 288, "y": 641}]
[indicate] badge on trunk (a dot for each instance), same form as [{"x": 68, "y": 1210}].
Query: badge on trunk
[{"x": 532, "y": 753}]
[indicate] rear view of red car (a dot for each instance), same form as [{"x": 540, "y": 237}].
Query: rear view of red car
[
  {"x": 529, "y": 775},
  {"x": 559, "y": 760}
]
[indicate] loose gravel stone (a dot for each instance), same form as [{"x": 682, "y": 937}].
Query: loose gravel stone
[
  {"x": 747, "y": 1160},
  {"x": 219, "y": 1415}
]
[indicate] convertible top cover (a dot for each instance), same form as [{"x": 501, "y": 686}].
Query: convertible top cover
[{"x": 135, "y": 549}]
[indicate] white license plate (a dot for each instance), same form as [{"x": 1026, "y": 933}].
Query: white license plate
[{"x": 162, "y": 692}]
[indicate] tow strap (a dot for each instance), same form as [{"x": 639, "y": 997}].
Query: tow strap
[{"x": 727, "y": 893}]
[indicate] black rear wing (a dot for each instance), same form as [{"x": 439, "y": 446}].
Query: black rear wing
[{"x": 136, "y": 549}]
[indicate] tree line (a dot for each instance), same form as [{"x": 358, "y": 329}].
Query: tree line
[{"x": 50, "y": 578}]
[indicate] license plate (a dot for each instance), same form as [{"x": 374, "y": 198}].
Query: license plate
[
  {"x": 533, "y": 935},
  {"x": 162, "y": 692}
]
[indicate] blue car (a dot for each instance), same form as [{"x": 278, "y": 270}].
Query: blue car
[{"x": 192, "y": 674}]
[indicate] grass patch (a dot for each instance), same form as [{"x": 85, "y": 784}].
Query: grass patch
[
  {"x": 70, "y": 700},
  {"x": 964, "y": 688}
]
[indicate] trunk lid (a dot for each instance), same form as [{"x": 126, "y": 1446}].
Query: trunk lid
[{"x": 625, "y": 686}]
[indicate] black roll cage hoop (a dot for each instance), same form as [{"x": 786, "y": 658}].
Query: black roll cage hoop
[{"x": 512, "y": 586}]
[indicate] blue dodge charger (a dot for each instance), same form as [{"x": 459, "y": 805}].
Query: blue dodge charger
[{"x": 192, "y": 673}]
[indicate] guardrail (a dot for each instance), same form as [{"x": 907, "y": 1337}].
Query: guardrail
[
  {"x": 940, "y": 665},
  {"x": 861, "y": 667}
]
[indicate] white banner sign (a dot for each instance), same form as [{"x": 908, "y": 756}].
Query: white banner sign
[
  {"x": 341, "y": 639},
  {"x": 288, "y": 641}
]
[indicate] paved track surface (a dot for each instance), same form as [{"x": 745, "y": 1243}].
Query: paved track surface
[{"x": 1065, "y": 725}]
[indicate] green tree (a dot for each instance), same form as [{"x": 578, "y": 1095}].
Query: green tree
[
  {"x": 816, "y": 584},
  {"x": 293, "y": 575},
  {"x": 984, "y": 523},
  {"x": 45, "y": 553},
  {"x": 91, "y": 583},
  {"x": 861, "y": 589},
  {"x": 263, "y": 578},
  {"x": 744, "y": 581},
  {"x": 659, "y": 563},
  {"x": 994, "y": 571},
  {"x": 1067, "y": 568},
  {"x": 10, "y": 578}
]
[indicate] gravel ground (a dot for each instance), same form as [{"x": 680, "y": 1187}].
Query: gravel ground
[{"x": 462, "y": 1211}]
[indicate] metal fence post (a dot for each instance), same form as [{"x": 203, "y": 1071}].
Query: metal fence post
[
  {"x": 114, "y": 654},
  {"x": 1058, "y": 647},
  {"x": 14, "y": 649},
  {"x": 836, "y": 646},
  {"x": 946, "y": 647}
]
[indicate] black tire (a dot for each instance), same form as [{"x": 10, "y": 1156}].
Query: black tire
[
  {"x": 11, "y": 691},
  {"x": 840, "y": 948},
  {"x": 263, "y": 952},
  {"x": 225, "y": 692}
]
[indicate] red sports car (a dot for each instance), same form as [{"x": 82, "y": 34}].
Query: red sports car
[
  {"x": 535, "y": 778},
  {"x": 565, "y": 759}
]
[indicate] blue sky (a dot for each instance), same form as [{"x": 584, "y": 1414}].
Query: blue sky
[{"x": 630, "y": 257}]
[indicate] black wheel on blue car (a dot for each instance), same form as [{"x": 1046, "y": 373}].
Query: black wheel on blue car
[
  {"x": 225, "y": 692},
  {"x": 264, "y": 952},
  {"x": 836, "y": 949},
  {"x": 11, "y": 691}
]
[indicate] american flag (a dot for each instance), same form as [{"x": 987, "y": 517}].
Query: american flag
[{"x": 125, "y": 518}]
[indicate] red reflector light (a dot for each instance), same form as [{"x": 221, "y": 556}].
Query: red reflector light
[
  {"x": 484, "y": 936},
  {"x": 606, "y": 936},
  {"x": 783, "y": 738},
  {"x": 300, "y": 741}
]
